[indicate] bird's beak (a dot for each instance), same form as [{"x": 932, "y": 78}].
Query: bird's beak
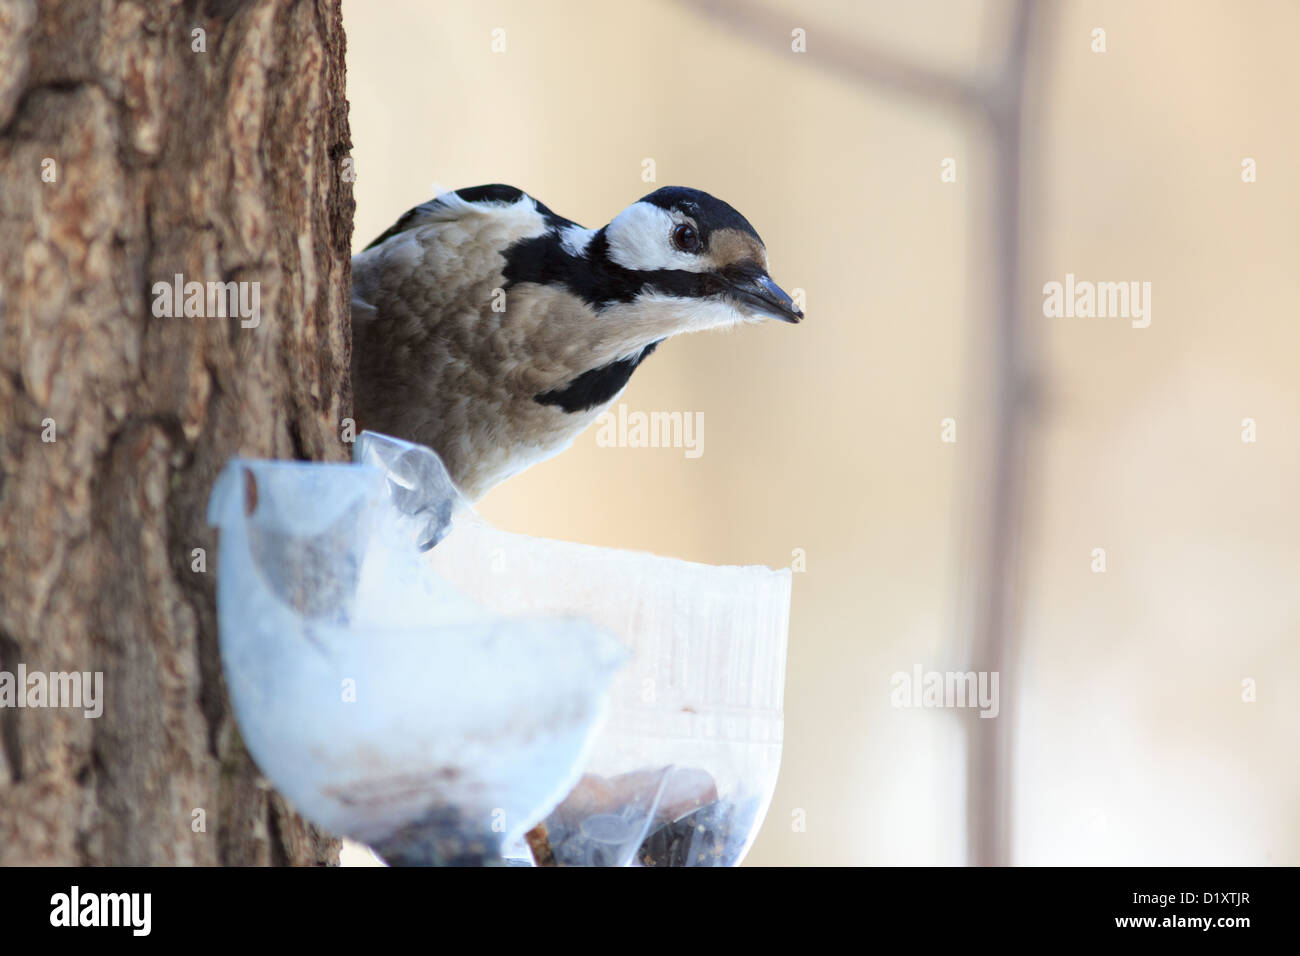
[{"x": 763, "y": 296}]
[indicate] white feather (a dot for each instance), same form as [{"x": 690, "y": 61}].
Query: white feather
[
  {"x": 640, "y": 237},
  {"x": 575, "y": 239}
]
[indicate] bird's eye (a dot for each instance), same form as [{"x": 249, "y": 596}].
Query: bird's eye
[{"x": 686, "y": 238}]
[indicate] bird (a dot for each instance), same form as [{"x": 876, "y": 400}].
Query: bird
[{"x": 494, "y": 331}]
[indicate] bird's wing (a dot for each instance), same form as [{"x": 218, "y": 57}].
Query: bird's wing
[
  {"x": 411, "y": 218},
  {"x": 473, "y": 200}
]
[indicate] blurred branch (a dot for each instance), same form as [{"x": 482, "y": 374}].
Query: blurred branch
[
  {"x": 995, "y": 644},
  {"x": 999, "y": 105}
]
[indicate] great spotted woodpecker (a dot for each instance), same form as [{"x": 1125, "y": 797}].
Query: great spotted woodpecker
[{"x": 494, "y": 331}]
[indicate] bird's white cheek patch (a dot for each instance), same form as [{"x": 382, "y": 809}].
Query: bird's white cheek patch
[{"x": 640, "y": 238}]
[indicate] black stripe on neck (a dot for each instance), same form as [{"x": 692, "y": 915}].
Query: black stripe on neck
[{"x": 597, "y": 386}]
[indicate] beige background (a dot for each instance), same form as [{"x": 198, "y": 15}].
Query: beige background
[{"x": 1135, "y": 745}]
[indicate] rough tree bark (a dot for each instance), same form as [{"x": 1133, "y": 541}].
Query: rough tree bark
[{"x": 222, "y": 165}]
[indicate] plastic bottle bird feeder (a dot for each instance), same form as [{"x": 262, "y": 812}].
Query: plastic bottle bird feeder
[
  {"x": 382, "y": 702},
  {"x": 482, "y": 670},
  {"x": 684, "y": 769}
]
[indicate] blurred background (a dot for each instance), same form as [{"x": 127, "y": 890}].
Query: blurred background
[{"x": 1149, "y": 708}]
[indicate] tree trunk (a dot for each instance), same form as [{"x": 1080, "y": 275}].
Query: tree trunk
[{"x": 133, "y": 149}]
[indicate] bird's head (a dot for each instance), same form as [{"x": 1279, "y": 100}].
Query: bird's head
[{"x": 686, "y": 253}]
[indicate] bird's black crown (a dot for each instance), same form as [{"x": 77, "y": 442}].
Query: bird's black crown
[{"x": 709, "y": 212}]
